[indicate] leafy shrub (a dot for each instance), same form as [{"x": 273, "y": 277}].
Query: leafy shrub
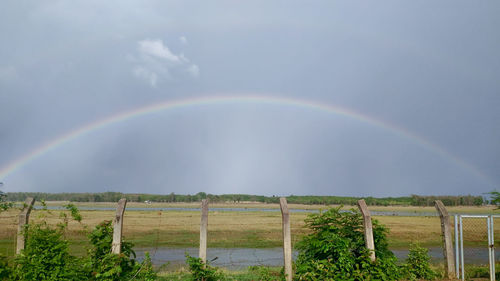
[
  {"x": 46, "y": 256},
  {"x": 201, "y": 271},
  {"x": 108, "y": 266},
  {"x": 335, "y": 249},
  {"x": 5, "y": 270},
  {"x": 417, "y": 265},
  {"x": 146, "y": 271}
]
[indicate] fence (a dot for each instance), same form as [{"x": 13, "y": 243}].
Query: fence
[
  {"x": 475, "y": 244},
  {"x": 165, "y": 226},
  {"x": 118, "y": 227}
]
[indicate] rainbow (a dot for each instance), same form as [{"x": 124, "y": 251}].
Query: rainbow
[{"x": 222, "y": 100}]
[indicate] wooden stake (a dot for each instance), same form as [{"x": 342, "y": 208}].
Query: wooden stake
[
  {"x": 203, "y": 230},
  {"x": 287, "y": 239},
  {"x": 24, "y": 217},
  {"x": 449, "y": 260},
  {"x": 368, "y": 227},
  {"x": 116, "y": 247}
]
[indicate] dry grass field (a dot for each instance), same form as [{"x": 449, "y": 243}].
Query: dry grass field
[{"x": 252, "y": 229}]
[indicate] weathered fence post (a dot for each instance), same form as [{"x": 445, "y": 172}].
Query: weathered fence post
[
  {"x": 203, "y": 230},
  {"x": 116, "y": 247},
  {"x": 368, "y": 227},
  {"x": 24, "y": 217},
  {"x": 449, "y": 261},
  {"x": 287, "y": 238}
]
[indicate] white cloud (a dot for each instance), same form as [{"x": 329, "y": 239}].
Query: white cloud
[
  {"x": 155, "y": 62},
  {"x": 183, "y": 40},
  {"x": 157, "y": 49}
]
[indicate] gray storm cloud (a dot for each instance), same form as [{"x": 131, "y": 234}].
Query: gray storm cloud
[{"x": 429, "y": 68}]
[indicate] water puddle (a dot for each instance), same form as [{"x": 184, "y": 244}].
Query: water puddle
[{"x": 241, "y": 258}]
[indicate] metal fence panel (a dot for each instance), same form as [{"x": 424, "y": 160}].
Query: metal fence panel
[{"x": 474, "y": 245}]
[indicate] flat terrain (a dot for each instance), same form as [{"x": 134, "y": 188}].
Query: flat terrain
[{"x": 252, "y": 229}]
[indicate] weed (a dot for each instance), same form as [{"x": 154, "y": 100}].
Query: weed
[{"x": 202, "y": 271}]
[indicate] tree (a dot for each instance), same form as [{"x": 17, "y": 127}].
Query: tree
[
  {"x": 4, "y": 205},
  {"x": 495, "y": 198}
]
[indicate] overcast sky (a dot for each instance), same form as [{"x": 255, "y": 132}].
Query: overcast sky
[{"x": 428, "y": 67}]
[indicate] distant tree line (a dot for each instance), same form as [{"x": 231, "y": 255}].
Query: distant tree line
[
  {"x": 463, "y": 200},
  {"x": 413, "y": 200}
]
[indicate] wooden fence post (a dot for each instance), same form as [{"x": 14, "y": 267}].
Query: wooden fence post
[
  {"x": 287, "y": 238},
  {"x": 203, "y": 230},
  {"x": 116, "y": 247},
  {"x": 449, "y": 261},
  {"x": 24, "y": 217},
  {"x": 368, "y": 227}
]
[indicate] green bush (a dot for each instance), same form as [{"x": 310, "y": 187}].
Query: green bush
[
  {"x": 46, "y": 256},
  {"x": 201, "y": 271},
  {"x": 417, "y": 264},
  {"x": 5, "y": 269},
  {"x": 335, "y": 249},
  {"x": 106, "y": 266}
]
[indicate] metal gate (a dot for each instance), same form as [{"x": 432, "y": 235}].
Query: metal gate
[{"x": 474, "y": 243}]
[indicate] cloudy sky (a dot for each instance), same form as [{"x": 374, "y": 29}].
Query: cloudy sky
[{"x": 423, "y": 75}]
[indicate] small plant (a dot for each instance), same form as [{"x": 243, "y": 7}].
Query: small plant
[
  {"x": 418, "y": 264},
  {"x": 75, "y": 213},
  {"x": 146, "y": 271},
  {"x": 265, "y": 273},
  {"x": 201, "y": 271}
]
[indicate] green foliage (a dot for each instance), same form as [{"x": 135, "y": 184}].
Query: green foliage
[
  {"x": 265, "y": 273},
  {"x": 106, "y": 266},
  {"x": 202, "y": 271},
  {"x": 46, "y": 256},
  {"x": 418, "y": 264},
  {"x": 146, "y": 271},
  {"x": 495, "y": 198},
  {"x": 5, "y": 269},
  {"x": 413, "y": 200},
  {"x": 75, "y": 213},
  {"x": 335, "y": 249},
  {"x": 477, "y": 272},
  {"x": 4, "y": 205}
]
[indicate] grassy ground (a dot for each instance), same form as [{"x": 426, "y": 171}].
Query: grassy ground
[
  {"x": 251, "y": 273},
  {"x": 227, "y": 229}
]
